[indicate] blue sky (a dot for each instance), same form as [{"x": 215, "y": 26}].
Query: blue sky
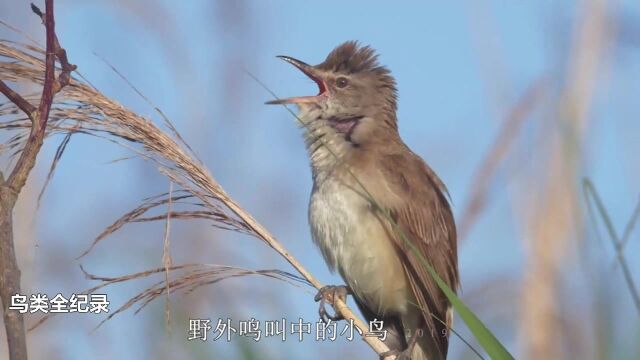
[{"x": 460, "y": 66}]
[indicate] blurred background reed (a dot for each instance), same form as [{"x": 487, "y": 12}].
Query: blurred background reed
[{"x": 525, "y": 101}]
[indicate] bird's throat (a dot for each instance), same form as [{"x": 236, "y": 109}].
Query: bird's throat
[
  {"x": 345, "y": 125},
  {"x": 329, "y": 136}
]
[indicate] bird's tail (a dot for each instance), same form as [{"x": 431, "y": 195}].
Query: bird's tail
[
  {"x": 427, "y": 348},
  {"x": 434, "y": 346}
]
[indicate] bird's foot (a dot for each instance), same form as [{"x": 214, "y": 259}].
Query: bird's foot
[{"x": 327, "y": 295}]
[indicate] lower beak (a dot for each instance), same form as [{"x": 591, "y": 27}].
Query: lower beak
[{"x": 312, "y": 73}]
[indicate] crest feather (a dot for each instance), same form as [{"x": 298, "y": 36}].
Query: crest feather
[{"x": 350, "y": 58}]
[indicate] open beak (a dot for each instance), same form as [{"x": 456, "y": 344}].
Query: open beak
[{"x": 312, "y": 73}]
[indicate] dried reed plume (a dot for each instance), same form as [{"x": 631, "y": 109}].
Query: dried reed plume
[
  {"x": 81, "y": 109},
  {"x": 556, "y": 213}
]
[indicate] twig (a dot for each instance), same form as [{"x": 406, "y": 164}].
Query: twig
[
  {"x": 10, "y": 189},
  {"x": 15, "y": 98}
]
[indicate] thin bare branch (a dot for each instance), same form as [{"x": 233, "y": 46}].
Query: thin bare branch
[
  {"x": 10, "y": 189},
  {"x": 15, "y": 98}
]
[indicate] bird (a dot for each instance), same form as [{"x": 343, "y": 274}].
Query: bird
[{"x": 377, "y": 211}]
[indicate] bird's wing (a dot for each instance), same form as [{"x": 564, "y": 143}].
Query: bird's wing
[{"x": 422, "y": 212}]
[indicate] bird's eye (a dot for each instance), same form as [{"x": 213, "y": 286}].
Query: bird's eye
[{"x": 342, "y": 82}]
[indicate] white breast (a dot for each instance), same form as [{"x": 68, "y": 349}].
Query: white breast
[{"x": 354, "y": 241}]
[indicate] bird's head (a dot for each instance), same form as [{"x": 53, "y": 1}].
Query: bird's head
[{"x": 356, "y": 95}]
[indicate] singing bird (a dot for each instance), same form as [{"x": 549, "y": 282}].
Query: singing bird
[{"x": 371, "y": 196}]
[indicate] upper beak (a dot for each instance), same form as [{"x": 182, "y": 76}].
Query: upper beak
[{"x": 312, "y": 73}]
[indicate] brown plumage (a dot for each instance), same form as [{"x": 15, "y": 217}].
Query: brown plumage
[{"x": 351, "y": 132}]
